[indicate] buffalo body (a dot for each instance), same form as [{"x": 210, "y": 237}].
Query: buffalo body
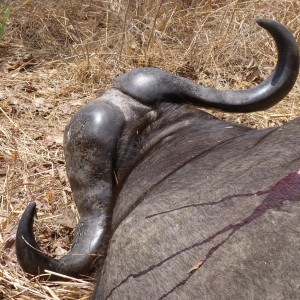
[{"x": 183, "y": 205}]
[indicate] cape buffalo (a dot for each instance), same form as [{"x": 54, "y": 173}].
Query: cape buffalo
[{"x": 191, "y": 207}]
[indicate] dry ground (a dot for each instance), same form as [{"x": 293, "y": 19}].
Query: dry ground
[{"x": 57, "y": 55}]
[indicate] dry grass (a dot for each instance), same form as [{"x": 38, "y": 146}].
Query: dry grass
[{"x": 58, "y": 55}]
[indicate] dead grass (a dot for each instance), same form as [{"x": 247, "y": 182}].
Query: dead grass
[{"x": 58, "y": 55}]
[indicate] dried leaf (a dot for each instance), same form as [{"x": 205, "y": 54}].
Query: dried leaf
[
  {"x": 15, "y": 156},
  {"x": 59, "y": 251},
  {"x": 42, "y": 104},
  {"x": 68, "y": 218},
  {"x": 45, "y": 236},
  {"x": 78, "y": 102},
  {"x": 2, "y": 97},
  {"x": 196, "y": 266},
  {"x": 57, "y": 139},
  {"x": 2, "y": 166},
  {"x": 50, "y": 198},
  {"x": 29, "y": 88},
  {"x": 62, "y": 175}
]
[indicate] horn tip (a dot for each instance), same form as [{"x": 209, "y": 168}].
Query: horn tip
[
  {"x": 25, "y": 241},
  {"x": 265, "y": 22}
]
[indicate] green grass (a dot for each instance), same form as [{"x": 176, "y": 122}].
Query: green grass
[{"x": 4, "y": 11}]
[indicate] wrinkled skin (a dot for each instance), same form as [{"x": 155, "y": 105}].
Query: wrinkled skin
[{"x": 185, "y": 206}]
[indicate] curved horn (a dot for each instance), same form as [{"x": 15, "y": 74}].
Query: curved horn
[
  {"x": 90, "y": 144},
  {"x": 80, "y": 258},
  {"x": 150, "y": 85}
]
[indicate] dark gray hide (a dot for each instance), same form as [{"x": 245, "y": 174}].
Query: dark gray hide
[
  {"x": 214, "y": 193},
  {"x": 184, "y": 190}
]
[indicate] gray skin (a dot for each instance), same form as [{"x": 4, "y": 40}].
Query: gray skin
[
  {"x": 182, "y": 186},
  {"x": 230, "y": 200}
]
